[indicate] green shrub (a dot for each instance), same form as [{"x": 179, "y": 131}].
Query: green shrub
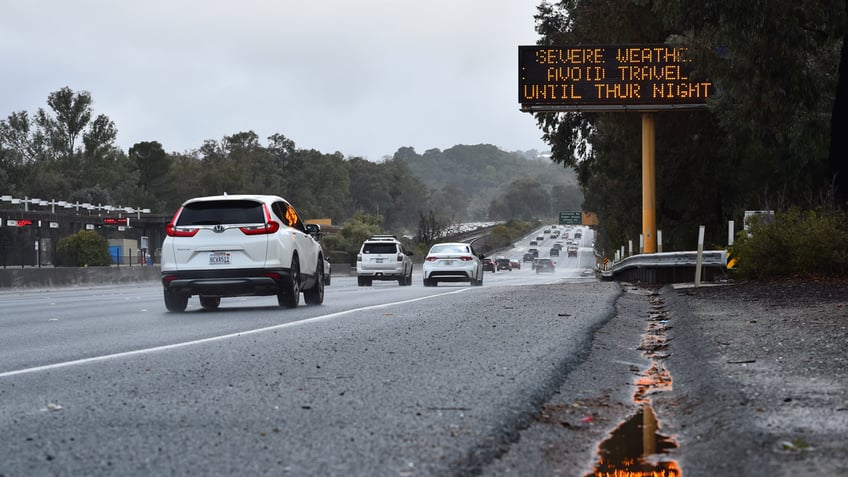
[
  {"x": 811, "y": 242},
  {"x": 85, "y": 248}
]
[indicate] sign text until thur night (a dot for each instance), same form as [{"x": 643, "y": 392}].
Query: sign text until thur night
[{"x": 600, "y": 77}]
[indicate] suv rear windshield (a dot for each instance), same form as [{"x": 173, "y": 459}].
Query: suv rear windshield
[
  {"x": 222, "y": 212},
  {"x": 379, "y": 248}
]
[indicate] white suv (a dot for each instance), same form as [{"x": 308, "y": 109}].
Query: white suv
[
  {"x": 237, "y": 245},
  {"x": 382, "y": 257}
]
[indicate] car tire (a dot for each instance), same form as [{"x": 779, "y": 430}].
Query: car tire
[
  {"x": 210, "y": 302},
  {"x": 315, "y": 295},
  {"x": 289, "y": 296},
  {"x": 429, "y": 282},
  {"x": 175, "y": 301}
]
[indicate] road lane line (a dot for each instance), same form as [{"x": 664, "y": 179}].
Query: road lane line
[{"x": 184, "y": 344}]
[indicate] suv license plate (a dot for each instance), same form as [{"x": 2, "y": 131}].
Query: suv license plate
[{"x": 219, "y": 258}]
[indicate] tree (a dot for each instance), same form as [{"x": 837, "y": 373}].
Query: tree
[
  {"x": 349, "y": 239},
  {"x": 430, "y": 229},
  {"x": 71, "y": 113},
  {"x": 523, "y": 200},
  {"x": 45, "y": 147},
  {"x": 763, "y": 142},
  {"x": 83, "y": 249},
  {"x": 838, "y": 154}
]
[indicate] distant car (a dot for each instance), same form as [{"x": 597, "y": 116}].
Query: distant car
[
  {"x": 533, "y": 242},
  {"x": 529, "y": 257},
  {"x": 502, "y": 263},
  {"x": 516, "y": 263},
  {"x": 572, "y": 250},
  {"x": 382, "y": 257},
  {"x": 558, "y": 245},
  {"x": 544, "y": 265},
  {"x": 327, "y": 276},
  {"x": 554, "y": 252},
  {"x": 452, "y": 262},
  {"x": 534, "y": 251},
  {"x": 489, "y": 265},
  {"x": 540, "y": 238}
]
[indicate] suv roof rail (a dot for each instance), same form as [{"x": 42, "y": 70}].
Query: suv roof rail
[{"x": 383, "y": 237}]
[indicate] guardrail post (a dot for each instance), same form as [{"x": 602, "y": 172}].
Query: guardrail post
[{"x": 700, "y": 257}]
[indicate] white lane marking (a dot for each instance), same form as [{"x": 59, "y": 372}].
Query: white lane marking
[{"x": 184, "y": 344}]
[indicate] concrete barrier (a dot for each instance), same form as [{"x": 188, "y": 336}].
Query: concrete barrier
[
  {"x": 30, "y": 277},
  {"x": 71, "y": 276}
]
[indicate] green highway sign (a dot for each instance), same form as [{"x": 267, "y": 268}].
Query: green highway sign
[{"x": 571, "y": 218}]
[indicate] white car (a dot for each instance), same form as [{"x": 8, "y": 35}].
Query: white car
[
  {"x": 382, "y": 257},
  {"x": 237, "y": 245},
  {"x": 452, "y": 262}
]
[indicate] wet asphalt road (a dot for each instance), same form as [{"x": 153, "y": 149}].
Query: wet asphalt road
[{"x": 384, "y": 380}]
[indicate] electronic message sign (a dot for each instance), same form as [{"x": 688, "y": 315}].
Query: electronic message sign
[{"x": 608, "y": 77}]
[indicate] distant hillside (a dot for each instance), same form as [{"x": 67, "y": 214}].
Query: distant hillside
[{"x": 483, "y": 171}]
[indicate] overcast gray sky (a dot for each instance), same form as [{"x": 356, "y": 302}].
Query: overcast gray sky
[{"x": 362, "y": 77}]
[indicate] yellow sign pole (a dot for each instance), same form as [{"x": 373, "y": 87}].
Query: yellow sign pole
[{"x": 649, "y": 221}]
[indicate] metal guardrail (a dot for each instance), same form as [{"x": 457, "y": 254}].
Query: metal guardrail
[{"x": 668, "y": 267}]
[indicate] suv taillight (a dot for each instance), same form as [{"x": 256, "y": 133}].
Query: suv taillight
[
  {"x": 358, "y": 257},
  {"x": 269, "y": 227},
  {"x": 400, "y": 257},
  {"x": 173, "y": 231}
]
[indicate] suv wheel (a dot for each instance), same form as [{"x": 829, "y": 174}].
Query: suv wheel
[
  {"x": 315, "y": 295},
  {"x": 363, "y": 282},
  {"x": 289, "y": 296},
  {"x": 429, "y": 282},
  {"x": 210, "y": 302},
  {"x": 175, "y": 301}
]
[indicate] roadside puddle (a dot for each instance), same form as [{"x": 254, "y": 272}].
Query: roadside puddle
[{"x": 636, "y": 448}]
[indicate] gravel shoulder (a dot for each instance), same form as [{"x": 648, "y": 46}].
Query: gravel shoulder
[
  {"x": 744, "y": 379},
  {"x": 760, "y": 378}
]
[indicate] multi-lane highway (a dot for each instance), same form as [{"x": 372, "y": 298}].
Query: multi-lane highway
[{"x": 380, "y": 380}]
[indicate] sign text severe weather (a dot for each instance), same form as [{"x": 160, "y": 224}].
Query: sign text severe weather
[{"x": 608, "y": 75}]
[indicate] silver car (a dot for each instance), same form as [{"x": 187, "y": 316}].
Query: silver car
[{"x": 453, "y": 262}]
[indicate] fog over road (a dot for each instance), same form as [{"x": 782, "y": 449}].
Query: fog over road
[{"x": 380, "y": 380}]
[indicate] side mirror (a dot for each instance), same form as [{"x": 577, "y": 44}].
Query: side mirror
[{"x": 313, "y": 230}]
